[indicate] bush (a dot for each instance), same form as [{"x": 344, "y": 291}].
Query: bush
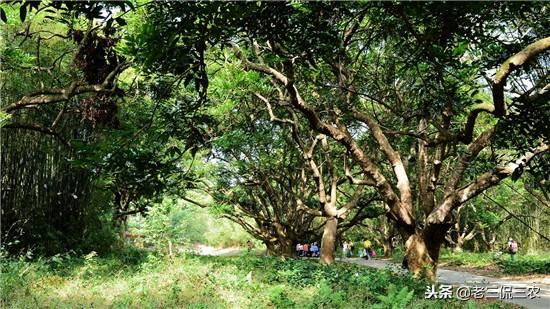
[
  {"x": 328, "y": 297},
  {"x": 278, "y": 297}
]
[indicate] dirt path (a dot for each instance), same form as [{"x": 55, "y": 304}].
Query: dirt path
[
  {"x": 212, "y": 251},
  {"x": 445, "y": 276},
  {"x": 457, "y": 278}
]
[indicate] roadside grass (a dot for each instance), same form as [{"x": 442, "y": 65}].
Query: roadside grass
[
  {"x": 523, "y": 264},
  {"x": 134, "y": 279}
]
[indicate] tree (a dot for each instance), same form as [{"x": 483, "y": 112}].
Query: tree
[
  {"x": 436, "y": 200},
  {"x": 87, "y": 140},
  {"x": 462, "y": 230},
  {"x": 405, "y": 78},
  {"x": 48, "y": 203},
  {"x": 276, "y": 191}
]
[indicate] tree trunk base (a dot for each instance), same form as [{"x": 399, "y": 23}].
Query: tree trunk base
[
  {"x": 328, "y": 242},
  {"x": 418, "y": 258},
  {"x": 280, "y": 248}
]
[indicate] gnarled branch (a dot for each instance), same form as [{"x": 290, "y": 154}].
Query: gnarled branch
[
  {"x": 498, "y": 107},
  {"x": 55, "y": 95}
]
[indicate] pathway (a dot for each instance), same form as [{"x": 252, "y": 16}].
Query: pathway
[{"x": 458, "y": 278}]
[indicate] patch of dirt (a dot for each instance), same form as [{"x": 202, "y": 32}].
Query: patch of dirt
[{"x": 208, "y": 250}]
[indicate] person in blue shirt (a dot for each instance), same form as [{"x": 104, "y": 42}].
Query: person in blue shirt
[{"x": 314, "y": 249}]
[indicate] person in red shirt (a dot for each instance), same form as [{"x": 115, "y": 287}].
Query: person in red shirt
[{"x": 306, "y": 249}]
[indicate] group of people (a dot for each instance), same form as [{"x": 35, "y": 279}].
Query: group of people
[
  {"x": 368, "y": 251},
  {"x": 307, "y": 250}
]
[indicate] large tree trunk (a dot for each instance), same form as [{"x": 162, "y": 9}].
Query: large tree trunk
[
  {"x": 422, "y": 251},
  {"x": 280, "y": 247},
  {"x": 270, "y": 248},
  {"x": 387, "y": 247},
  {"x": 388, "y": 232},
  {"x": 286, "y": 247},
  {"x": 489, "y": 239},
  {"x": 420, "y": 260},
  {"x": 328, "y": 243}
]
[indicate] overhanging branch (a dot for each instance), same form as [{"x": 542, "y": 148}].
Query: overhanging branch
[
  {"x": 55, "y": 95},
  {"x": 498, "y": 107},
  {"x": 38, "y": 128}
]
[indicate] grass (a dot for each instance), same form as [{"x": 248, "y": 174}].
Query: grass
[
  {"x": 523, "y": 264},
  {"x": 143, "y": 280}
]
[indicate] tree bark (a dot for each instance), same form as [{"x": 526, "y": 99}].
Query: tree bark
[
  {"x": 280, "y": 247},
  {"x": 328, "y": 242},
  {"x": 387, "y": 247},
  {"x": 459, "y": 244},
  {"x": 270, "y": 248},
  {"x": 422, "y": 251},
  {"x": 388, "y": 232}
]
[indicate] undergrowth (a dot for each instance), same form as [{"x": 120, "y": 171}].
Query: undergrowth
[
  {"x": 522, "y": 264},
  {"x": 134, "y": 279}
]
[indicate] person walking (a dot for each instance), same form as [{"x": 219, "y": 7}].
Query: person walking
[
  {"x": 249, "y": 245},
  {"x": 367, "y": 245},
  {"x": 512, "y": 248},
  {"x": 345, "y": 248}
]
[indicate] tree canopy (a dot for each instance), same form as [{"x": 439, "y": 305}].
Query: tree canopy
[{"x": 295, "y": 116}]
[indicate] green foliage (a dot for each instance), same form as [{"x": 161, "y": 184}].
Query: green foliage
[
  {"x": 421, "y": 61},
  {"x": 184, "y": 225},
  {"x": 165, "y": 222},
  {"x": 279, "y": 297},
  {"x": 523, "y": 264},
  {"x": 328, "y": 296},
  {"x": 468, "y": 259},
  {"x": 139, "y": 279},
  {"x": 395, "y": 299},
  {"x": 4, "y": 118}
]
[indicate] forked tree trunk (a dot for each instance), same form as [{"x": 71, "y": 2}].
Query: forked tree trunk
[
  {"x": 328, "y": 242},
  {"x": 489, "y": 239},
  {"x": 459, "y": 244},
  {"x": 422, "y": 251}
]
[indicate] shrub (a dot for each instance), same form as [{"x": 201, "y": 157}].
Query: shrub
[
  {"x": 525, "y": 265},
  {"x": 278, "y": 297},
  {"x": 395, "y": 299}
]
